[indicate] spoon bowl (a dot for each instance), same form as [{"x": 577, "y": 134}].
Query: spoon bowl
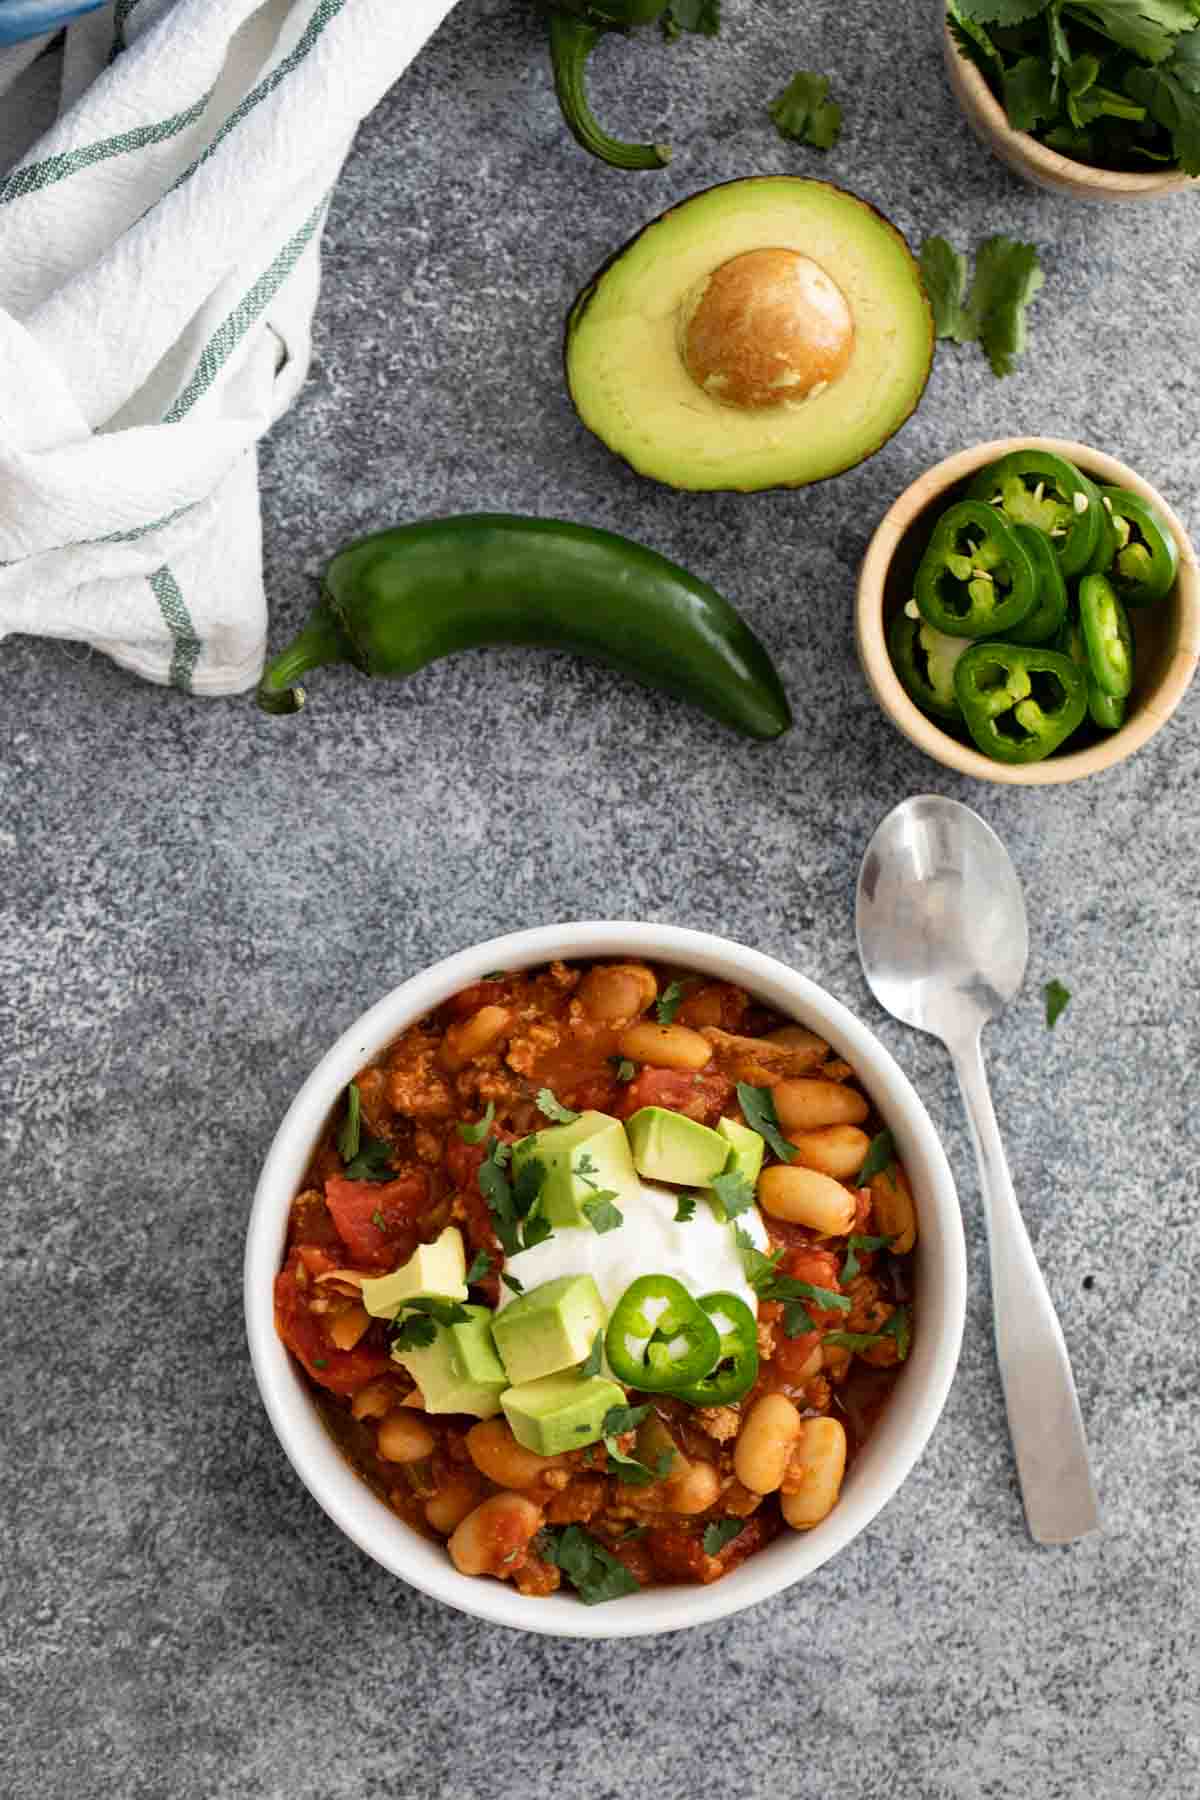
[{"x": 944, "y": 941}]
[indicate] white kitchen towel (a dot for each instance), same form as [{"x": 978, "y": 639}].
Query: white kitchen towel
[{"x": 158, "y": 272}]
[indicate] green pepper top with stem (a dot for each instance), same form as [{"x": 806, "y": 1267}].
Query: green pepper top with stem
[{"x": 576, "y": 27}]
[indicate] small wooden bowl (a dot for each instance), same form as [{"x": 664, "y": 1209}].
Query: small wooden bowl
[
  {"x": 1035, "y": 161},
  {"x": 1166, "y": 636}
]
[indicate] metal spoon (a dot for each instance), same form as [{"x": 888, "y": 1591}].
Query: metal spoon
[{"x": 943, "y": 941}]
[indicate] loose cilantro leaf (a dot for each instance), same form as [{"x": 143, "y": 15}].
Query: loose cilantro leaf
[
  {"x": 758, "y": 1109},
  {"x": 854, "y": 1243},
  {"x": 720, "y": 1533},
  {"x": 685, "y": 1209},
  {"x": 881, "y": 1154},
  {"x": 475, "y": 1134},
  {"x": 495, "y": 975},
  {"x": 944, "y": 273},
  {"x": 417, "y": 1321},
  {"x": 378, "y": 1220},
  {"x": 480, "y": 1268},
  {"x": 593, "y": 1571},
  {"x": 547, "y": 1104},
  {"x": 1007, "y": 276},
  {"x": 760, "y": 1269},
  {"x": 515, "y": 1206},
  {"x": 373, "y": 1161},
  {"x": 762, "y": 1272},
  {"x": 624, "y": 1069},
  {"x": 1002, "y": 12},
  {"x": 600, "y": 1212},
  {"x": 348, "y": 1135},
  {"x": 620, "y": 1419},
  {"x": 899, "y": 1326},
  {"x": 668, "y": 1003},
  {"x": 734, "y": 1194},
  {"x": 1058, "y": 998},
  {"x": 702, "y": 16},
  {"x": 632, "y": 1472},
  {"x": 416, "y": 1333},
  {"x": 512, "y": 1282},
  {"x": 1028, "y": 92},
  {"x": 797, "y": 1319},
  {"x": 804, "y": 112},
  {"x": 591, "y": 1363},
  {"x": 320, "y": 1362}
]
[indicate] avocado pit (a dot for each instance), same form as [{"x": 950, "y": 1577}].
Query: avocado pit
[{"x": 767, "y": 328}]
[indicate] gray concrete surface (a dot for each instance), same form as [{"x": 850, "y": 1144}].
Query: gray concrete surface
[{"x": 196, "y": 900}]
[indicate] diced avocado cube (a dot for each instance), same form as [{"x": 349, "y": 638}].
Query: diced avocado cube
[
  {"x": 669, "y": 1147},
  {"x": 550, "y": 1328},
  {"x": 439, "y": 1268},
  {"x": 460, "y": 1371},
  {"x": 560, "y": 1412},
  {"x": 746, "y": 1150},
  {"x": 588, "y": 1157}
]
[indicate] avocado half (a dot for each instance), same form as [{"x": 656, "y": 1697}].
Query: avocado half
[{"x": 764, "y": 333}]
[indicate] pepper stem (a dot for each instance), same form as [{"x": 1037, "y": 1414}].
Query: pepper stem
[
  {"x": 571, "y": 43},
  {"x": 320, "y": 641}
]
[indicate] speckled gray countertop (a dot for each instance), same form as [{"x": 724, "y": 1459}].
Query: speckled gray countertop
[{"x": 197, "y": 899}]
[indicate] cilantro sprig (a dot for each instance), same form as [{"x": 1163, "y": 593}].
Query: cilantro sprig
[
  {"x": 551, "y": 1107},
  {"x": 594, "y": 1572},
  {"x": 475, "y": 1134},
  {"x": 416, "y": 1322},
  {"x": 685, "y": 1209},
  {"x": 1058, "y": 998},
  {"x": 599, "y": 1211},
  {"x": 1008, "y": 275},
  {"x": 805, "y": 113},
  {"x": 591, "y": 1363},
  {"x": 480, "y": 1269},
  {"x": 515, "y": 1206},
  {"x": 762, "y": 1272},
  {"x": 758, "y": 1109},
  {"x": 734, "y": 1194},
  {"x": 881, "y": 1154},
  {"x": 720, "y": 1533},
  {"x": 634, "y": 1473},
  {"x": 364, "y": 1158},
  {"x": 669, "y": 1003},
  {"x": 854, "y": 1243},
  {"x": 623, "y": 1069},
  {"x": 899, "y": 1326}
]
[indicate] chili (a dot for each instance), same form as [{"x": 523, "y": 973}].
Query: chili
[
  {"x": 975, "y": 578},
  {"x": 737, "y": 1367},
  {"x": 1019, "y": 701},
  {"x": 1147, "y": 559},
  {"x": 659, "y": 1340},
  {"x": 400, "y": 599}
]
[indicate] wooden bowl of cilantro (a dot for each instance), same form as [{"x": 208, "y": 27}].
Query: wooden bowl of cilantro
[{"x": 1094, "y": 98}]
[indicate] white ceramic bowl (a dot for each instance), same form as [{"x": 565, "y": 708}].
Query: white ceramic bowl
[{"x": 874, "y": 1477}]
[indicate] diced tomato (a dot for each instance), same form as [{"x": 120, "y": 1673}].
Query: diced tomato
[
  {"x": 702, "y": 1097},
  {"x": 342, "y": 1371},
  {"x": 316, "y": 1259},
  {"x": 791, "y": 1354},
  {"x": 678, "y": 1553},
  {"x": 312, "y": 1223},
  {"x": 377, "y": 1220}
]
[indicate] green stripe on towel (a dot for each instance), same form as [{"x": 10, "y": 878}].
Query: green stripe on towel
[
  {"x": 36, "y": 176},
  {"x": 173, "y": 609}
]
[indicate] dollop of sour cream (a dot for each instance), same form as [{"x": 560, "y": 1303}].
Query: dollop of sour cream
[{"x": 702, "y": 1254}]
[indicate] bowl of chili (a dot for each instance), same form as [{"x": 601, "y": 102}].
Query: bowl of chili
[
  {"x": 1165, "y": 634},
  {"x": 876, "y": 1470}
]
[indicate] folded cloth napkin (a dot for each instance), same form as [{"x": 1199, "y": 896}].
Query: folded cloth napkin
[{"x": 158, "y": 274}]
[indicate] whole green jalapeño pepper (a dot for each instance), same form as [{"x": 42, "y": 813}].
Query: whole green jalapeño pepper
[
  {"x": 395, "y": 601},
  {"x": 924, "y": 660},
  {"x": 1050, "y": 608},
  {"x": 737, "y": 1369},
  {"x": 1020, "y": 701},
  {"x": 975, "y": 578},
  {"x": 1147, "y": 559},
  {"x": 1107, "y": 637},
  {"x": 1036, "y": 487},
  {"x": 576, "y": 27},
  {"x": 659, "y": 1340}
]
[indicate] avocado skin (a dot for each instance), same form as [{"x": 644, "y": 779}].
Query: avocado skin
[{"x": 585, "y": 295}]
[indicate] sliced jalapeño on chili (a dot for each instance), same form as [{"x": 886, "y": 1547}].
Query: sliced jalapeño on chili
[
  {"x": 975, "y": 578},
  {"x": 659, "y": 1339},
  {"x": 1020, "y": 701},
  {"x": 1107, "y": 637},
  {"x": 1147, "y": 559},
  {"x": 1036, "y": 487},
  {"x": 737, "y": 1367}
]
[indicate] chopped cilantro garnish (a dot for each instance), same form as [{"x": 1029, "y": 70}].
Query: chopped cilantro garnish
[
  {"x": 320, "y": 1362},
  {"x": 512, "y": 1282},
  {"x": 600, "y": 1212},
  {"x": 624, "y": 1069},
  {"x": 733, "y": 1192},
  {"x": 758, "y": 1108},
  {"x": 855, "y": 1243},
  {"x": 347, "y": 1142},
  {"x": 1058, "y": 998},
  {"x": 762, "y": 1272},
  {"x": 620, "y": 1419},
  {"x": 515, "y": 1206},
  {"x": 378, "y": 1220},
  {"x": 1007, "y": 276},
  {"x": 805, "y": 113},
  {"x": 591, "y": 1363},
  {"x": 668, "y": 1003},
  {"x": 632, "y": 1472},
  {"x": 592, "y": 1570},
  {"x": 685, "y": 1209},
  {"x": 880, "y": 1156},
  {"x": 373, "y": 1161},
  {"x": 720, "y": 1533},
  {"x": 480, "y": 1268},
  {"x": 547, "y": 1104},
  {"x": 899, "y": 1326},
  {"x": 495, "y": 975},
  {"x": 475, "y": 1134},
  {"x": 416, "y": 1321}
]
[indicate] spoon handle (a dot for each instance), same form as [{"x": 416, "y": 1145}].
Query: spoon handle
[{"x": 1039, "y": 1389}]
